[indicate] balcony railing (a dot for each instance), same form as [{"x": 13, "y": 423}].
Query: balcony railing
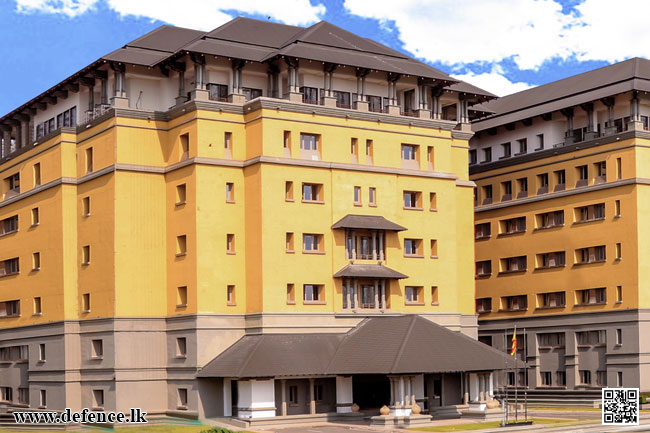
[{"x": 98, "y": 111}]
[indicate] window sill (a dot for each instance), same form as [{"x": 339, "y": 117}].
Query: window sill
[
  {"x": 8, "y": 233},
  {"x": 372, "y": 205},
  {"x": 543, "y": 268},
  {"x": 8, "y": 317},
  {"x": 96, "y": 358},
  {"x": 181, "y": 407},
  {"x": 501, "y": 235},
  {"x": 181, "y": 254},
  {"x": 483, "y": 275},
  {"x": 291, "y": 302},
  {"x": 617, "y": 216},
  {"x": 230, "y": 201},
  {"x": 413, "y": 303},
  {"x": 181, "y": 356},
  {"x": 550, "y": 308},
  {"x": 9, "y": 274},
  {"x": 551, "y": 347},
  {"x": 85, "y": 264},
  {"x": 180, "y": 203},
  {"x": 588, "y": 221},
  {"x": 37, "y": 314},
  {"x": 97, "y": 408},
  {"x": 414, "y": 256},
  {"x": 38, "y": 269},
  {"x": 412, "y": 208},
  {"x": 42, "y": 407},
  {"x": 435, "y": 303},
  {"x": 231, "y": 304},
  {"x": 314, "y": 303},
  {"x": 358, "y": 204},
  {"x": 434, "y": 257},
  {"x": 85, "y": 311},
  {"x": 504, "y": 157},
  {"x": 35, "y": 225},
  {"x": 548, "y": 227},
  {"x": 513, "y": 311},
  {"x": 483, "y": 311},
  {"x": 231, "y": 253},
  {"x": 480, "y": 238},
  {"x": 313, "y": 252},
  {"x": 619, "y": 302},
  {"x": 618, "y": 259},
  {"x": 593, "y": 303},
  {"x": 589, "y": 263},
  {"x": 433, "y": 210},
  {"x": 290, "y": 251},
  {"x": 520, "y": 271},
  {"x": 181, "y": 305},
  {"x": 313, "y": 201}
]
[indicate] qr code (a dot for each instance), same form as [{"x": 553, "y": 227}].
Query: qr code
[{"x": 621, "y": 406}]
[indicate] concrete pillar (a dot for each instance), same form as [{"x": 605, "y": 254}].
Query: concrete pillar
[
  {"x": 355, "y": 295},
  {"x": 376, "y": 300},
  {"x": 491, "y": 385},
  {"x": 473, "y": 387},
  {"x": 391, "y": 380},
  {"x": 199, "y": 93},
  {"x": 381, "y": 246},
  {"x": 402, "y": 400},
  {"x": 119, "y": 99},
  {"x": 24, "y": 133},
  {"x": 256, "y": 398},
  {"x": 227, "y": 397},
  {"x": 354, "y": 245},
  {"x": 312, "y": 402},
  {"x": 283, "y": 385},
  {"x": 344, "y": 396},
  {"x": 374, "y": 245},
  {"x": 348, "y": 288},
  {"x": 635, "y": 123},
  {"x": 418, "y": 390},
  {"x": 465, "y": 388}
]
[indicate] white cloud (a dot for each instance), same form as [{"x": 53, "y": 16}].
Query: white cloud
[
  {"x": 198, "y": 14},
  {"x": 494, "y": 82}
]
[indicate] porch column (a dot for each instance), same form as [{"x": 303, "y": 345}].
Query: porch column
[
  {"x": 376, "y": 293},
  {"x": 348, "y": 287},
  {"x": 6, "y": 137},
  {"x": 283, "y": 384},
  {"x": 374, "y": 245},
  {"x": 103, "y": 98},
  {"x": 227, "y": 397},
  {"x": 312, "y": 402},
  {"x": 347, "y": 244},
  {"x": 568, "y": 136},
  {"x": 635, "y": 113},
  {"x": 344, "y": 396},
  {"x": 402, "y": 401},
  {"x": 119, "y": 99},
  {"x": 383, "y": 294},
  {"x": 354, "y": 245},
  {"x": 473, "y": 387},
  {"x": 491, "y": 385},
  {"x": 381, "y": 246},
  {"x": 418, "y": 390},
  {"x": 609, "y": 102},
  {"x": 256, "y": 398},
  {"x": 391, "y": 380},
  {"x": 409, "y": 391},
  {"x": 465, "y": 388},
  {"x": 436, "y": 105},
  {"x": 24, "y": 133},
  {"x": 355, "y": 294},
  {"x": 18, "y": 135}
]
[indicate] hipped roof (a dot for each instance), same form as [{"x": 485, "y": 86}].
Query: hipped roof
[
  {"x": 370, "y": 222},
  {"x": 378, "y": 345}
]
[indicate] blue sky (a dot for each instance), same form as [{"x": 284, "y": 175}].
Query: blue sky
[{"x": 501, "y": 45}]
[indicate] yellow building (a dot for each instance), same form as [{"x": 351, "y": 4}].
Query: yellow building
[
  {"x": 560, "y": 203},
  {"x": 192, "y": 188}
]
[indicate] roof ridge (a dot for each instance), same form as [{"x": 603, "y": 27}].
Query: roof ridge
[
  {"x": 250, "y": 355},
  {"x": 342, "y": 340},
  {"x": 398, "y": 357}
]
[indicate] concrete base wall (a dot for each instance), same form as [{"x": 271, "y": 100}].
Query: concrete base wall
[{"x": 140, "y": 364}]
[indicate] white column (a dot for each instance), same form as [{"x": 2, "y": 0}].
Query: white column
[
  {"x": 376, "y": 294},
  {"x": 392, "y": 390},
  {"x": 418, "y": 389},
  {"x": 381, "y": 246},
  {"x": 355, "y": 297},
  {"x": 473, "y": 387},
  {"x": 227, "y": 397},
  {"x": 312, "y": 403},
  {"x": 491, "y": 385},
  {"x": 383, "y": 294},
  {"x": 344, "y": 394},
  {"x": 354, "y": 245},
  {"x": 283, "y": 384},
  {"x": 401, "y": 391},
  {"x": 256, "y": 398},
  {"x": 347, "y": 293}
]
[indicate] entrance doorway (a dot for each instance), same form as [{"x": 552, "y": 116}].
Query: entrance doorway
[{"x": 371, "y": 391}]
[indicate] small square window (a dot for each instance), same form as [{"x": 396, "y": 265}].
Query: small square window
[
  {"x": 181, "y": 194},
  {"x": 230, "y": 295},
  {"x": 312, "y": 242},
  {"x": 413, "y": 294},
  {"x": 313, "y": 293},
  {"x": 85, "y": 206},
  {"x": 413, "y": 247}
]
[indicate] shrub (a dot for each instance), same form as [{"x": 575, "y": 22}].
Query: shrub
[{"x": 217, "y": 430}]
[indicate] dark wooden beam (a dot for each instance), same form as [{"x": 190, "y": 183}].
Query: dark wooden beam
[
  {"x": 73, "y": 87},
  {"x": 22, "y": 117},
  {"x": 527, "y": 122},
  {"x": 87, "y": 81},
  {"x": 492, "y": 131},
  {"x": 50, "y": 100},
  {"x": 510, "y": 126},
  {"x": 547, "y": 116},
  {"x": 99, "y": 74},
  {"x": 30, "y": 111},
  {"x": 177, "y": 66},
  {"x": 63, "y": 94},
  {"x": 587, "y": 106},
  {"x": 40, "y": 106}
]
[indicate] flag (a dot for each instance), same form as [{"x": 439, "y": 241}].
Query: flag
[{"x": 513, "y": 349}]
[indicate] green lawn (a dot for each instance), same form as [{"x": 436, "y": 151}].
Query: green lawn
[{"x": 487, "y": 425}]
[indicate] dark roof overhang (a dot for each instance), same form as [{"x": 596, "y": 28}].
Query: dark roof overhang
[
  {"x": 370, "y": 222},
  {"x": 369, "y": 271}
]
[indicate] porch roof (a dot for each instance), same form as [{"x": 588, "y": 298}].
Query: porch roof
[
  {"x": 378, "y": 345},
  {"x": 368, "y": 271},
  {"x": 370, "y": 222}
]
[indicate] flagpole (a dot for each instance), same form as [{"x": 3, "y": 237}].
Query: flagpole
[{"x": 514, "y": 338}]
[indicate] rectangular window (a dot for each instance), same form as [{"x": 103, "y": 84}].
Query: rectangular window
[
  {"x": 369, "y": 152},
  {"x": 181, "y": 296},
  {"x": 434, "y": 249},
  {"x": 409, "y": 152},
  {"x": 36, "y": 220},
  {"x": 230, "y": 192},
  {"x": 523, "y": 146},
  {"x": 413, "y": 294},
  {"x": 37, "y": 306},
  {"x": 291, "y": 294},
  {"x": 430, "y": 157},
  {"x": 181, "y": 194},
  {"x": 513, "y": 225},
  {"x": 9, "y": 267},
  {"x": 551, "y": 300},
  {"x": 482, "y": 231},
  {"x": 372, "y": 196},
  {"x": 37, "y": 174},
  {"x": 6, "y": 394},
  {"x": 309, "y": 142},
  {"x": 185, "y": 146},
  {"x": 472, "y": 156},
  {"x": 85, "y": 303},
  {"x": 354, "y": 150},
  {"x": 89, "y": 160},
  {"x": 617, "y": 208},
  {"x": 549, "y": 220},
  {"x": 556, "y": 259},
  {"x": 312, "y": 192},
  {"x": 313, "y": 293},
  {"x": 433, "y": 202},
  {"x": 286, "y": 140},
  {"x": 434, "y": 295},
  {"x": 540, "y": 142},
  {"x": 227, "y": 142},
  {"x": 591, "y": 296},
  {"x": 619, "y": 252},
  {"x": 619, "y": 379},
  {"x": 601, "y": 172},
  {"x": 619, "y": 294},
  {"x": 97, "y": 349},
  {"x": 98, "y": 398},
  {"x": 23, "y": 395},
  {"x": 288, "y": 191},
  {"x": 312, "y": 242},
  {"x": 542, "y": 179},
  {"x": 413, "y": 200},
  {"x": 13, "y": 184},
  {"x": 36, "y": 261},
  {"x": 487, "y": 194},
  {"x": 289, "y": 242},
  {"x": 43, "y": 398},
  {"x": 591, "y": 338},
  {"x": 318, "y": 392},
  {"x": 230, "y": 243},
  {"x": 250, "y": 93},
  {"x": 583, "y": 175},
  {"x": 230, "y": 295},
  {"x": 507, "y": 151},
  {"x": 9, "y": 225},
  {"x": 487, "y": 154},
  {"x": 601, "y": 378},
  {"x": 546, "y": 378},
  {"x": 514, "y": 264},
  {"x": 483, "y": 268},
  {"x": 483, "y": 305},
  {"x": 560, "y": 180},
  {"x": 551, "y": 339},
  {"x": 293, "y": 395},
  {"x": 590, "y": 213},
  {"x": 619, "y": 337},
  {"x": 590, "y": 255},
  {"x": 619, "y": 169},
  {"x": 41, "y": 352},
  {"x": 85, "y": 206},
  {"x": 181, "y": 245},
  {"x": 181, "y": 347},
  {"x": 523, "y": 187},
  {"x": 506, "y": 190},
  {"x": 85, "y": 255},
  {"x": 514, "y": 303},
  {"x": 413, "y": 247},
  {"x": 357, "y": 196}
]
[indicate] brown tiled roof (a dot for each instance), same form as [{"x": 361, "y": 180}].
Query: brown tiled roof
[
  {"x": 632, "y": 74},
  {"x": 378, "y": 345},
  {"x": 368, "y": 271},
  {"x": 371, "y": 222}
]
